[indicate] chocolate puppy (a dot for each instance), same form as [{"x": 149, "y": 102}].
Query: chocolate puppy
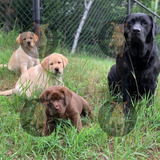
[{"x": 62, "y": 103}]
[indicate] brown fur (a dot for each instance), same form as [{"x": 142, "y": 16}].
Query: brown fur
[
  {"x": 46, "y": 74},
  {"x": 26, "y": 56},
  {"x": 62, "y": 103}
]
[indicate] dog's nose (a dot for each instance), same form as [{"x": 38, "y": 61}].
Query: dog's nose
[
  {"x": 136, "y": 28},
  {"x": 28, "y": 43},
  {"x": 57, "y": 108},
  {"x": 57, "y": 69}
]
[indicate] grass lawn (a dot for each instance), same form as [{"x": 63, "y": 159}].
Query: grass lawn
[{"x": 87, "y": 76}]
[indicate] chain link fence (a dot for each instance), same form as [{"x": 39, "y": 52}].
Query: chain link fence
[
  {"x": 102, "y": 32},
  {"x": 15, "y": 13},
  {"x": 65, "y": 17}
]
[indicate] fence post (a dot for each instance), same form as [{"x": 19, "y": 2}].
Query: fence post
[
  {"x": 36, "y": 16},
  {"x": 129, "y": 7},
  {"x": 33, "y": 10}
]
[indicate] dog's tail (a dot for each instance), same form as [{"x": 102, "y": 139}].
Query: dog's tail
[
  {"x": 3, "y": 65},
  {"x": 6, "y": 93}
]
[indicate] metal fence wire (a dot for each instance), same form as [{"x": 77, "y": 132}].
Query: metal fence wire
[
  {"x": 65, "y": 17},
  {"x": 102, "y": 31},
  {"x": 15, "y": 13}
]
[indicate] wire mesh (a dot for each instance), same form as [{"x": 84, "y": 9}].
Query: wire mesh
[
  {"x": 64, "y": 16},
  {"x": 102, "y": 32},
  {"x": 15, "y": 13}
]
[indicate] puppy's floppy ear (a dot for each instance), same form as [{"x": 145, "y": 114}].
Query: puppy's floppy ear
[
  {"x": 35, "y": 38},
  {"x": 44, "y": 95},
  {"x": 64, "y": 60},
  {"x": 45, "y": 63},
  {"x": 18, "y": 40},
  {"x": 67, "y": 94}
]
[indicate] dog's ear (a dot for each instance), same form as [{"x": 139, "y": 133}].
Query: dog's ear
[
  {"x": 44, "y": 95},
  {"x": 67, "y": 94},
  {"x": 45, "y": 63},
  {"x": 155, "y": 28},
  {"x": 35, "y": 38},
  {"x": 125, "y": 27},
  {"x": 18, "y": 40},
  {"x": 64, "y": 60}
]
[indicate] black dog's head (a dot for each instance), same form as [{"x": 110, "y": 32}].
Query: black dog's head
[{"x": 139, "y": 28}]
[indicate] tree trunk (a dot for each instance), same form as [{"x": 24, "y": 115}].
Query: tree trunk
[
  {"x": 156, "y": 6},
  {"x": 87, "y": 8}
]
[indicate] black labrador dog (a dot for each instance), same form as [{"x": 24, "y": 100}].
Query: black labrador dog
[{"x": 137, "y": 68}]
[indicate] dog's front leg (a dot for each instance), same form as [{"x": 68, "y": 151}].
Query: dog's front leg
[
  {"x": 126, "y": 97},
  {"x": 23, "y": 68},
  {"x": 48, "y": 126},
  {"x": 37, "y": 62},
  {"x": 150, "y": 96}
]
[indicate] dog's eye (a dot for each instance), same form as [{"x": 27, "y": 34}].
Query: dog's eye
[
  {"x": 51, "y": 63},
  {"x": 130, "y": 23},
  {"x": 24, "y": 39},
  {"x": 59, "y": 62},
  {"x": 31, "y": 38},
  {"x": 143, "y": 22}
]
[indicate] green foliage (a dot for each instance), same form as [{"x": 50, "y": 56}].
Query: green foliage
[{"x": 7, "y": 44}]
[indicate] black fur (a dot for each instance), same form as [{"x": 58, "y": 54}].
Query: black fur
[{"x": 136, "y": 72}]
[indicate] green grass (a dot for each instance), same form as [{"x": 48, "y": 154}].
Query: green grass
[{"x": 86, "y": 75}]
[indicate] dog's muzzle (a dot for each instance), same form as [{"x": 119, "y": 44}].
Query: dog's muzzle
[
  {"x": 136, "y": 29},
  {"x": 56, "y": 70},
  {"x": 137, "y": 34},
  {"x": 28, "y": 43}
]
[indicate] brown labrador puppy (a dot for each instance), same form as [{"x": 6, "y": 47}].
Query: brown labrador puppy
[{"x": 62, "y": 103}]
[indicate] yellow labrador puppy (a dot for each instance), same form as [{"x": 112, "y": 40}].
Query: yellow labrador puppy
[
  {"x": 46, "y": 74},
  {"x": 26, "y": 56}
]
